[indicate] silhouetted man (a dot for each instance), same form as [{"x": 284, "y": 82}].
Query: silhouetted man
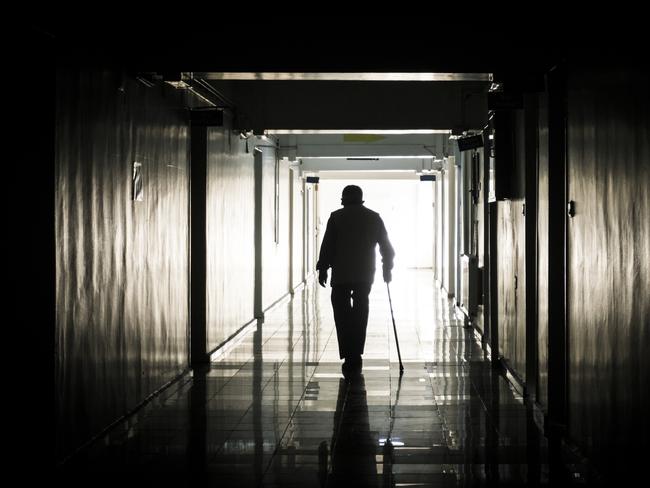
[{"x": 349, "y": 249}]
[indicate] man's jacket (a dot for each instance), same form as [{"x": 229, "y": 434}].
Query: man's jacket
[{"x": 349, "y": 245}]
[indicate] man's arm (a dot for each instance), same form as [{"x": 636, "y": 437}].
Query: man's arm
[
  {"x": 327, "y": 251},
  {"x": 387, "y": 252}
]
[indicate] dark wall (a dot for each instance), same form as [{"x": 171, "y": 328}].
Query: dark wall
[
  {"x": 511, "y": 259},
  {"x": 511, "y": 284},
  {"x": 609, "y": 262},
  {"x": 121, "y": 265},
  {"x": 229, "y": 229},
  {"x": 31, "y": 245}
]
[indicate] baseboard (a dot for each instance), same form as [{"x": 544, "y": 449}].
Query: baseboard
[
  {"x": 299, "y": 287},
  {"x": 485, "y": 345},
  {"x": 539, "y": 416},
  {"x": 286, "y": 298},
  {"x": 510, "y": 374},
  {"x": 234, "y": 339},
  {"x": 513, "y": 377}
]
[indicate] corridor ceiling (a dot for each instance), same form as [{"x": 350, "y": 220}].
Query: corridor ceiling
[
  {"x": 330, "y": 74},
  {"x": 353, "y": 103}
]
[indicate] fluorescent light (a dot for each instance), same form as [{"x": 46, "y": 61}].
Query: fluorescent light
[
  {"x": 266, "y": 76},
  {"x": 355, "y": 131},
  {"x": 372, "y": 158}
]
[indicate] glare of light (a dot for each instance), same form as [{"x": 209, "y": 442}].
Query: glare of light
[
  {"x": 179, "y": 85},
  {"x": 182, "y": 85},
  {"x": 403, "y": 205}
]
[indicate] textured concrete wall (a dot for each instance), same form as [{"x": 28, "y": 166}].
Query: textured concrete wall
[
  {"x": 542, "y": 253},
  {"x": 609, "y": 263},
  {"x": 311, "y": 220},
  {"x": 275, "y": 259},
  {"x": 511, "y": 259},
  {"x": 511, "y": 284},
  {"x": 229, "y": 229},
  {"x": 121, "y": 265},
  {"x": 298, "y": 229},
  {"x": 439, "y": 206},
  {"x": 479, "y": 228},
  {"x": 449, "y": 244}
]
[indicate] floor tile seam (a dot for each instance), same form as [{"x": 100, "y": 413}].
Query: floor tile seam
[
  {"x": 245, "y": 413},
  {"x": 281, "y": 364},
  {"x": 465, "y": 368},
  {"x": 252, "y": 357},
  {"x": 441, "y": 417},
  {"x": 290, "y": 302},
  {"x": 220, "y": 449},
  {"x": 489, "y": 416},
  {"x": 279, "y": 442}
]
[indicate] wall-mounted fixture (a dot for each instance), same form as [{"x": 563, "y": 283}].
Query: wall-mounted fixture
[
  {"x": 571, "y": 209},
  {"x": 137, "y": 192},
  {"x": 466, "y": 143}
]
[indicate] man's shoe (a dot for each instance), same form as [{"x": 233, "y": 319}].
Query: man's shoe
[{"x": 352, "y": 364}]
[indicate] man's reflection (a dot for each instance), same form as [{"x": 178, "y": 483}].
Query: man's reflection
[{"x": 353, "y": 447}]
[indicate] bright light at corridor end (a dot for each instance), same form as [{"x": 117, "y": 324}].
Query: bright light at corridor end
[{"x": 242, "y": 76}]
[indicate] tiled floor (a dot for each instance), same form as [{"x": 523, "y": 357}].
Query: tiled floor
[{"x": 275, "y": 410}]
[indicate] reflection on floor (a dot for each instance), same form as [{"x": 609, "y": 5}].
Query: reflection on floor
[{"x": 275, "y": 410}]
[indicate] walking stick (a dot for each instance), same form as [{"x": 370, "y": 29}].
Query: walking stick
[{"x": 399, "y": 355}]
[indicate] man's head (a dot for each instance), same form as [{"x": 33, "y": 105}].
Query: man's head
[{"x": 352, "y": 194}]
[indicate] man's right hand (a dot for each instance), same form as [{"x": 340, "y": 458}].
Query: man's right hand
[{"x": 322, "y": 277}]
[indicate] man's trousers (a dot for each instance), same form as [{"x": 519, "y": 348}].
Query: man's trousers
[{"x": 350, "y": 304}]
